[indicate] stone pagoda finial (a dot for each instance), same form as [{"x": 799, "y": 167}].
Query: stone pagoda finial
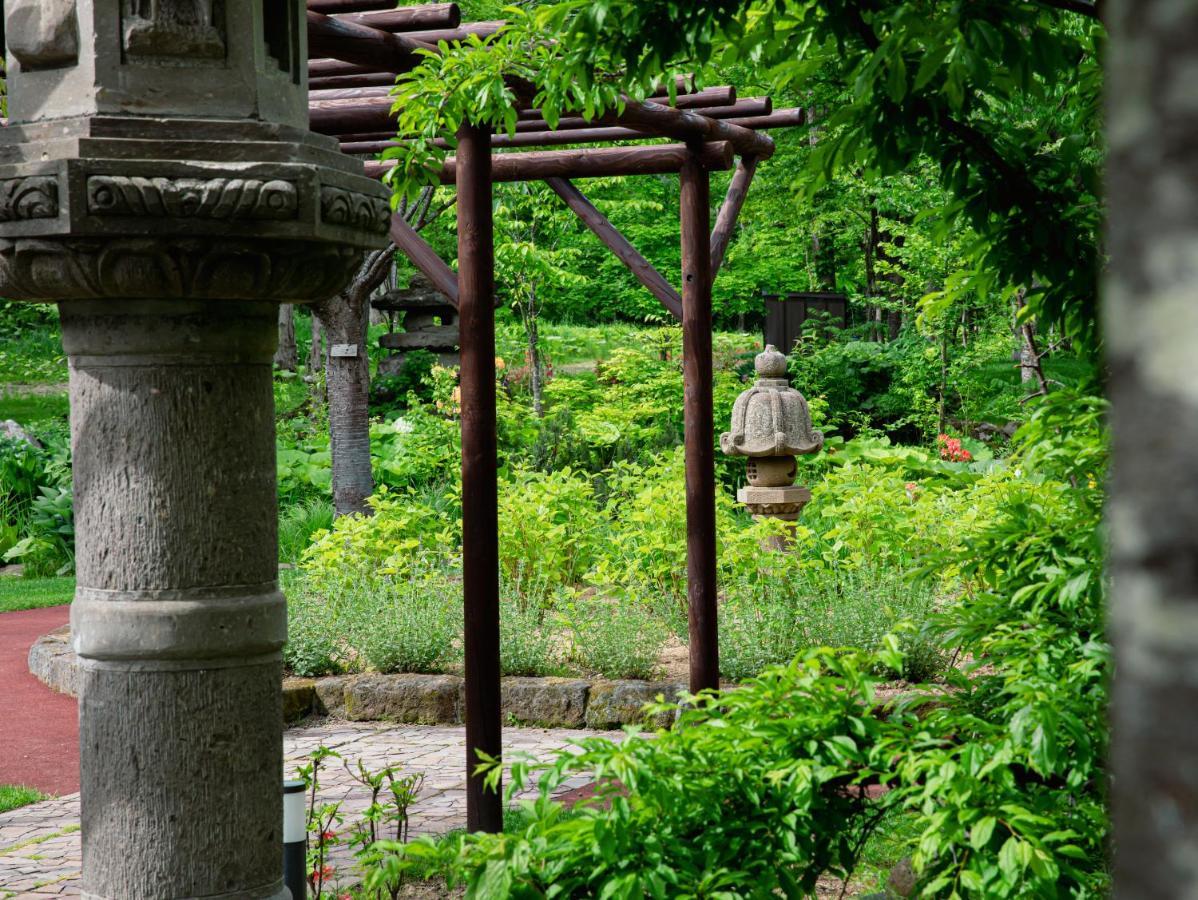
[
  {"x": 158, "y": 181},
  {"x": 771, "y": 425}
]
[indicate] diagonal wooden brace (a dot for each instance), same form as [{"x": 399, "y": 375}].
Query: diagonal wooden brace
[
  {"x": 424, "y": 258},
  {"x": 598, "y": 223},
  {"x": 734, "y": 201}
]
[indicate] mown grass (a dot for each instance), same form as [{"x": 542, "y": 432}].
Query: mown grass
[
  {"x": 26, "y": 408},
  {"x": 13, "y": 796},
  {"x": 34, "y": 593}
]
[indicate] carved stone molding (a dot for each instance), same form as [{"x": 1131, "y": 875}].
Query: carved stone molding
[
  {"x": 43, "y": 34},
  {"x": 339, "y": 206},
  {"x": 173, "y": 29},
  {"x": 33, "y": 197},
  {"x": 173, "y": 268},
  {"x": 223, "y": 199}
]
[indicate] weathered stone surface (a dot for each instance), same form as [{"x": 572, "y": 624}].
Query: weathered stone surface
[
  {"x": 612, "y": 704},
  {"x": 548, "y": 702},
  {"x": 53, "y": 662},
  {"x": 415, "y": 699},
  {"x": 771, "y": 418},
  {"x": 330, "y": 695},
  {"x": 299, "y": 698}
]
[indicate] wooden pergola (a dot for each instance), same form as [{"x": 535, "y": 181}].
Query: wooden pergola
[{"x": 356, "y": 48}]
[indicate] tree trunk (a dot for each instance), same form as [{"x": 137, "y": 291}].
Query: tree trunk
[
  {"x": 347, "y": 375},
  {"x": 287, "y": 355},
  {"x": 1151, "y": 325},
  {"x": 535, "y": 365}
]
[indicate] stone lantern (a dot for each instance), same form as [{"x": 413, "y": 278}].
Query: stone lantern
[
  {"x": 159, "y": 183},
  {"x": 771, "y": 426}
]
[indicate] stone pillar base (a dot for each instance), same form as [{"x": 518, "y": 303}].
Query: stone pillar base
[
  {"x": 177, "y": 618},
  {"x": 781, "y": 503}
]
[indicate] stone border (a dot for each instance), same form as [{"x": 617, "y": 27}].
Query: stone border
[{"x": 421, "y": 699}]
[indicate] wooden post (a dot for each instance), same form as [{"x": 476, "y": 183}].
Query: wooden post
[
  {"x": 695, "y": 215},
  {"x": 480, "y": 526}
]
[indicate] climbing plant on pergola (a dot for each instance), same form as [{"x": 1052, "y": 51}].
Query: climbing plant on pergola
[{"x": 356, "y": 50}]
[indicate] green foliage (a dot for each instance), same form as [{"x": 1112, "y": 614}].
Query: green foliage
[
  {"x": 299, "y": 523},
  {"x": 528, "y": 639},
  {"x": 13, "y": 796},
  {"x": 34, "y": 593},
  {"x": 617, "y": 639},
  {"x": 751, "y": 795},
  {"x": 410, "y": 627}
]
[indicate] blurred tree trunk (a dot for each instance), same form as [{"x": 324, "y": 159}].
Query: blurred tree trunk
[
  {"x": 1151, "y": 325},
  {"x": 287, "y": 354},
  {"x": 347, "y": 374},
  {"x": 315, "y": 349}
]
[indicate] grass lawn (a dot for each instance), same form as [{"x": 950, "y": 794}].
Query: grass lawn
[
  {"x": 12, "y": 796},
  {"x": 34, "y": 593},
  {"x": 25, "y": 407}
]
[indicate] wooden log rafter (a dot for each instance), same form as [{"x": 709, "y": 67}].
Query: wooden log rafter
[
  {"x": 610, "y": 236},
  {"x": 601, "y": 162},
  {"x": 362, "y": 45},
  {"x": 406, "y": 18}
]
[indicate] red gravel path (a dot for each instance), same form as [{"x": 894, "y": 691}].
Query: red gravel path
[{"x": 39, "y": 729}]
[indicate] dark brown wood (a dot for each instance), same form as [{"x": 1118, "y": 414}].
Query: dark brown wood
[
  {"x": 725, "y": 222},
  {"x": 359, "y": 45},
  {"x": 368, "y": 109},
  {"x": 782, "y": 118},
  {"x": 602, "y": 162},
  {"x": 724, "y": 95},
  {"x": 407, "y": 18},
  {"x": 424, "y": 258},
  {"x": 480, "y": 510},
  {"x": 328, "y": 7},
  {"x": 350, "y": 80},
  {"x": 695, "y": 217},
  {"x": 691, "y": 126},
  {"x": 611, "y": 237}
]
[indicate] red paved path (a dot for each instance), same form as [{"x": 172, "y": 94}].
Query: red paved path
[{"x": 39, "y": 729}]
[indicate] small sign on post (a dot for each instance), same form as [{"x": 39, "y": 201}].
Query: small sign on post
[{"x": 347, "y": 351}]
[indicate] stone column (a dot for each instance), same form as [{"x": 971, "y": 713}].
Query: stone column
[
  {"x": 177, "y": 615},
  {"x": 157, "y": 181}
]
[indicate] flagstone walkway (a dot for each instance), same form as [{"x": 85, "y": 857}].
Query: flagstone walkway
[{"x": 39, "y": 844}]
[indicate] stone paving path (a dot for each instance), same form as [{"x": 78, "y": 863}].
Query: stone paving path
[{"x": 39, "y": 844}]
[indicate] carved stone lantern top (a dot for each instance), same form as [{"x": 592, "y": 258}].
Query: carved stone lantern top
[
  {"x": 159, "y": 149},
  {"x": 771, "y": 418}
]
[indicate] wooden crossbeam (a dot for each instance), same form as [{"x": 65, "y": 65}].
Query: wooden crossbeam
[
  {"x": 641, "y": 268},
  {"x": 328, "y": 7},
  {"x": 424, "y": 258},
  {"x": 725, "y": 222},
  {"x": 360, "y": 45},
  {"x": 602, "y": 162},
  {"x": 691, "y": 126},
  {"x": 407, "y": 18}
]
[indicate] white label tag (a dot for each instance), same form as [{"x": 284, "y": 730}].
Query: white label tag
[{"x": 344, "y": 350}]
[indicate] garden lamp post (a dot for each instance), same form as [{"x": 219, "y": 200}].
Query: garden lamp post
[
  {"x": 771, "y": 425},
  {"x": 158, "y": 182}
]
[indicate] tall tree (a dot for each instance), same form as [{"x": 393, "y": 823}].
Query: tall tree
[
  {"x": 1152, "y": 327},
  {"x": 287, "y": 354}
]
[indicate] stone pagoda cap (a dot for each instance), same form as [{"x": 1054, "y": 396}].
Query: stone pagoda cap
[{"x": 771, "y": 418}]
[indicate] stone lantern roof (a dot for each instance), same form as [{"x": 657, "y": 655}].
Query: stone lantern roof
[{"x": 771, "y": 418}]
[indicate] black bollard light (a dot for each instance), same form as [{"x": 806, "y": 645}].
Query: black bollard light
[{"x": 295, "y": 840}]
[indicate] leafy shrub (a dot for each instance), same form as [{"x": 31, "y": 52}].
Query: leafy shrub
[
  {"x": 314, "y": 643},
  {"x": 617, "y": 639},
  {"x": 299, "y": 522},
  {"x": 48, "y": 547},
  {"x": 407, "y": 627},
  {"x": 528, "y": 643}
]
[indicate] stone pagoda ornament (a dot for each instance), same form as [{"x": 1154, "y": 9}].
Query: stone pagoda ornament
[
  {"x": 159, "y": 183},
  {"x": 771, "y": 425}
]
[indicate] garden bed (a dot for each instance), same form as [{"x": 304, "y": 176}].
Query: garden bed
[{"x": 546, "y": 702}]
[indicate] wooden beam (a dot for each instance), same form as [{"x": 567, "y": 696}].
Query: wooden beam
[
  {"x": 738, "y": 190},
  {"x": 724, "y": 95},
  {"x": 368, "y": 109},
  {"x": 328, "y": 7},
  {"x": 701, "y": 586},
  {"x": 691, "y": 126},
  {"x": 604, "y": 162},
  {"x": 360, "y": 45},
  {"x": 783, "y": 118},
  {"x": 406, "y": 18},
  {"x": 424, "y": 258},
  {"x": 480, "y": 507},
  {"x": 611, "y": 237}
]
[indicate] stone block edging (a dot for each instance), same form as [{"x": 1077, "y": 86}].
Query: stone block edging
[{"x": 421, "y": 699}]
